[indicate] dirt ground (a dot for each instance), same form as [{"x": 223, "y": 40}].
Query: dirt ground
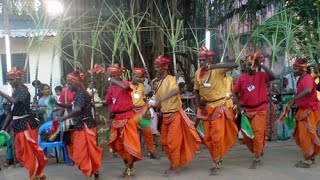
[{"x": 277, "y": 163}]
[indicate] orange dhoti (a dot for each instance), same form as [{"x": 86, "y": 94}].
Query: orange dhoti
[
  {"x": 29, "y": 153},
  {"x": 305, "y": 133},
  {"x": 258, "y": 122},
  {"x": 148, "y": 138},
  {"x": 179, "y": 139},
  {"x": 87, "y": 155},
  {"x": 220, "y": 131},
  {"x": 124, "y": 139}
]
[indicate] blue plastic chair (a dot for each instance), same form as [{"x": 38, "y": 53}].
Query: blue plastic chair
[{"x": 44, "y": 145}]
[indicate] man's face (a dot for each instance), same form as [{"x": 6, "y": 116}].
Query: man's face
[
  {"x": 12, "y": 82},
  {"x": 296, "y": 71},
  {"x": 114, "y": 76},
  {"x": 248, "y": 68},
  {"x": 203, "y": 62},
  {"x": 72, "y": 86},
  {"x": 159, "y": 71},
  {"x": 136, "y": 78}
]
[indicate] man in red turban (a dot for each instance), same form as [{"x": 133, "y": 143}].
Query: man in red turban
[
  {"x": 162, "y": 62},
  {"x": 308, "y": 115},
  {"x": 124, "y": 138},
  {"x": 25, "y": 127},
  {"x": 179, "y": 137},
  {"x": 86, "y": 153},
  {"x": 251, "y": 96},
  {"x": 138, "y": 99},
  {"x": 66, "y": 99},
  {"x": 212, "y": 92}
]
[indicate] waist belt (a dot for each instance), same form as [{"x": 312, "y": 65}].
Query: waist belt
[
  {"x": 137, "y": 108},
  {"x": 255, "y": 106},
  {"x": 83, "y": 119},
  {"x": 20, "y": 117}
]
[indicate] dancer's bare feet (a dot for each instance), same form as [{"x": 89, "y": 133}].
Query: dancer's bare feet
[
  {"x": 128, "y": 172},
  {"x": 171, "y": 172}
]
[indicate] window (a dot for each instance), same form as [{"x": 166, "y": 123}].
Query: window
[{"x": 18, "y": 60}]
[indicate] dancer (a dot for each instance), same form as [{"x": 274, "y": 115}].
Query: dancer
[
  {"x": 25, "y": 127},
  {"x": 124, "y": 138},
  {"x": 138, "y": 98},
  {"x": 179, "y": 137},
  {"x": 86, "y": 154},
  {"x": 250, "y": 94},
  {"x": 65, "y": 101},
  {"x": 212, "y": 90},
  {"x": 307, "y": 116}
]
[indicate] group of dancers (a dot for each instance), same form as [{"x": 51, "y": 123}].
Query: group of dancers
[{"x": 215, "y": 99}]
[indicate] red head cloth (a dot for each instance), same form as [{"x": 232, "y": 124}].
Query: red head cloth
[
  {"x": 301, "y": 64},
  {"x": 253, "y": 58},
  {"x": 204, "y": 53},
  {"x": 123, "y": 69},
  {"x": 114, "y": 69},
  {"x": 76, "y": 77},
  {"x": 15, "y": 73},
  {"x": 97, "y": 69},
  {"x": 139, "y": 71},
  {"x": 162, "y": 62}
]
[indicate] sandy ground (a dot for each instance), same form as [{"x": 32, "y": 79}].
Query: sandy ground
[{"x": 277, "y": 164}]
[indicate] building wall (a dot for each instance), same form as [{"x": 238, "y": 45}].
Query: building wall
[{"x": 19, "y": 45}]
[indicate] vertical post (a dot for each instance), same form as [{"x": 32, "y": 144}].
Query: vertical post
[
  {"x": 208, "y": 34},
  {"x": 7, "y": 36}
]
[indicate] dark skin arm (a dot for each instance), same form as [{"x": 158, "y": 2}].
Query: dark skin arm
[
  {"x": 223, "y": 65},
  {"x": 74, "y": 113},
  {"x": 9, "y": 98},
  {"x": 60, "y": 112},
  {"x": 64, "y": 105},
  {"x": 7, "y": 121},
  {"x": 119, "y": 83},
  {"x": 9, "y": 115},
  {"x": 269, "y": 72},
  {"x": 240, "y": 108},
  {"x": 237, "y": 101},
  {"x": 304, "y": 93}
]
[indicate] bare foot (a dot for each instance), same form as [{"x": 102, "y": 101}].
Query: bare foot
[{"x": 171, "y": 172}]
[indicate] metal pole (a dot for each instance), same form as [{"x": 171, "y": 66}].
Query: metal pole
[{"x": 7, "y": 36}]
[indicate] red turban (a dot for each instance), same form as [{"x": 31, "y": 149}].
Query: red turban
[
  {"x": 301, "y": 64},
  {"x": 139, "y": 71},
  {"x": 15, "y": 73},
  {"x": 252, "y": 59},
  {"x": 123, "y": 69},
  {"x": 114, "y": 69},
  {"x": 204, "y": 53},
  {"x": 76, "y": 77},
  {"x": 97, "y": 69},
  {"x": 162, "y": 62}
]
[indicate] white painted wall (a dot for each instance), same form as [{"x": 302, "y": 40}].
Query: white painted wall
[{"x": 19, "y": 45}]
